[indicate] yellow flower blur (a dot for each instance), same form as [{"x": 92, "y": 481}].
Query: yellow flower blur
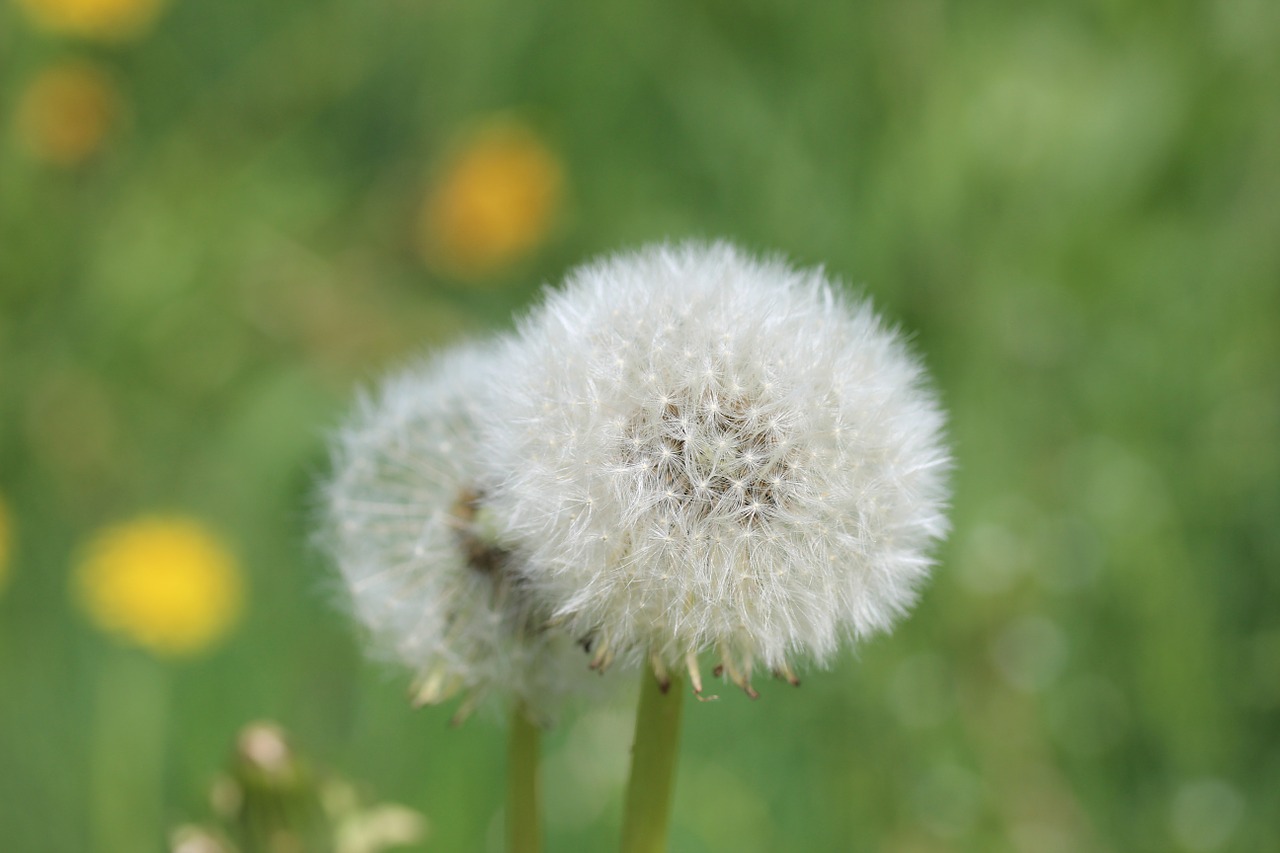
[
  {"x": 495, "y": 199},
  {"x": 164, "y": 583},
  {"x": 6, "y": 542},
  {"x": 107, "y": 20},
  {"x": 66, "y": 112}
]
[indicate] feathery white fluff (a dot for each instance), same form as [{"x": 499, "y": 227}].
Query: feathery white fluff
[
  {"x": 406, "y": 523},
  {"x": 705, "y": 451}
]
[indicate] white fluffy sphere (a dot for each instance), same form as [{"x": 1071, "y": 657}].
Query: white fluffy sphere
[
  {"x": 706, "y": 451},
  {"x": 404, "y": 517}
]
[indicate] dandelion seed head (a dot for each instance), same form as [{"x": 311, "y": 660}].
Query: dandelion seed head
[
  {"x": 406, "y": 521},
  {"x": 757, "y": 465}
]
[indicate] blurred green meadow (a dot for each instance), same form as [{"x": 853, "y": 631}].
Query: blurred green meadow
[{"x": 228, "y": 217}]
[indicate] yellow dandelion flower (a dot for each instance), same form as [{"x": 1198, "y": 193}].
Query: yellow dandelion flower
[
  {"x": 66, "y": 112},
  {"x": 6, "y": 542},
  {"x": 495, "y": 199},
  {"x": 106, "y": 20},
  {"x": 164, "y": 583}
]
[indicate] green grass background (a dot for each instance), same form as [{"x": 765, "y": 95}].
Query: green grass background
[{"x": 1074, "y": 207}]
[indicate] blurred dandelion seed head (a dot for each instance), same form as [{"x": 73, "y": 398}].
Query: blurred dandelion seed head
[
  {"x": 413, "y": 540},
  {"x": 496, "y": 198},
  {"x": 103, "y": 20},
  {"x": 197, "y": 839},
  {"x": 164, "y": 583},
  {"x": 706, "y": 451},
  {"x": 382, "y": 827},
  {"x": 66, "y": 113},
  {"x": 265, "y": 747}
]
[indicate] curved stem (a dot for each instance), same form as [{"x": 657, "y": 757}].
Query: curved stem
[
  {"x": 653, "y": 765},
  {"x": 524, "y": 822}
]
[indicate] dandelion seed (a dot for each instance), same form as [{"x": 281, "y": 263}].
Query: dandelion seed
[
  {"x": 773, "y": 488},
  {"x": 165, "y": 583}
]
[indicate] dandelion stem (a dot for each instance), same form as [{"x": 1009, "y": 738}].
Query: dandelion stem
[
  {"x": 126, "y": 773},
  {"x": 524, "y": 823},
  {"x": 653, "y": 765}
]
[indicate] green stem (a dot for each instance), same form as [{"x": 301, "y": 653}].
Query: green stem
[
  {"x": 127, "y": 767},
  {"x": 524, "y": 822},
  {"x": 653, "y": 766}
]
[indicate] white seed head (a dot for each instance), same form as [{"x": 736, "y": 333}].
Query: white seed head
[
  {"x": 708, "y": 451},
  {"x": 406, "y": 521}
]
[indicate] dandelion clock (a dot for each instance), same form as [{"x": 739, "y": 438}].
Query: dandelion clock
[
  {"x": 684, "y": 455},
  {"x": 407, "y": 522},
  {"x": 709, "y": 453},
  {"x": 705, "y": 453},
  {"x": 408, "y": 525}
]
